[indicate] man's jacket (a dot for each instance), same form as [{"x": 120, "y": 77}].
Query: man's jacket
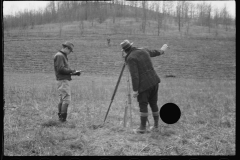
[
  {"x": 61, "y": 67},
  {"x": 141, "y": 68}
]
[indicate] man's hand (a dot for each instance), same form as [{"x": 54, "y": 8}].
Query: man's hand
[
  {"x": 164, "y": 47},
  {"x": 135, "y": 94},
  {"x": 76, "y": 73}
]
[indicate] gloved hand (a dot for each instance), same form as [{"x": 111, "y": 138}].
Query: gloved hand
[
  {"x": 135, "y": 94},
  {"x": 164, "y": 47}
]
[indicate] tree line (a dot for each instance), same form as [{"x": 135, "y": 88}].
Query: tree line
[{"x": 184, "y": 13}]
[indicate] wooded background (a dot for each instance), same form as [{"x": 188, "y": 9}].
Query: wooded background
[{"x": 182, "y": 13}]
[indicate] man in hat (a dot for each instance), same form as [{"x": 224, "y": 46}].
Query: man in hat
[
  {"x": 144, "y": 81},
  {"x": 63, "y": 75}
]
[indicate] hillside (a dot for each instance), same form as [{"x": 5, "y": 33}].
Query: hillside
[{"x": 194, "y": 55}]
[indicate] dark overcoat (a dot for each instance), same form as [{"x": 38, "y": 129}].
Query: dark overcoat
[{"x": 141, "y": 68}]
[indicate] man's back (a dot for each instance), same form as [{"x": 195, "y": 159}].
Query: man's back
[
  {"x": 61, "y": 67},
  {"x": 141, "y": 68},
  {"x": 143, "y": 60}
]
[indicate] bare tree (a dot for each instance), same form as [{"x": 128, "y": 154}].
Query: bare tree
[
  {"x": 81, "y": 17},
  {"x": 144, "y": 18},
  {"x": 159, "y": 18},
  {"x": 169, "y": 7},
  {"x": 151, "y": 8},
  {"x": 53, "y": 10},
  {"x": 192, "y": 10},
  {"x": 186, "y": 16},
  {"x": 60, "y": 17},
  {"x": 178, "y": 10},
  {"x": 86, "y": 10},
  {"x": 209, "y": 10},
  {"x": 92, "y": 12},
  {"x": 163, "y": 15},
  {"x": 200, "y": 13},
  {"x": 183, "y": 12},
  {"x": 216, "y": 20},
  {"x": 225, "y": 17},
  {"x": 123, "y": 8},
  {"x": 136, "y": 10},
  {"x": 203, "y": 14},
  {"x": 102, "y": 12},
  {"x": 113, "y": 11}
]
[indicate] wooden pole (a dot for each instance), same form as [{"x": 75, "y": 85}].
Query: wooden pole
[
  {"x": 115, "y": 90},
  {"x": 129, "y": 102},
  {"x": 129, "y": 98},
  {"x": 126, "y": 109},
  {"x": 125, "y": 116}
]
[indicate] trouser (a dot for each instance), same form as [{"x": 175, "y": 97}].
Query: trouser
[
  {"x": 64, "y": 91},
  {"x": 150, "y": 96}
]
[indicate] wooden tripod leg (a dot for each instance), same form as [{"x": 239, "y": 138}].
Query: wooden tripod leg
[
  {"x": 129, "y": 99},
  {"x": 129, "y": 102},
  {"x": 125, "y": 115}
]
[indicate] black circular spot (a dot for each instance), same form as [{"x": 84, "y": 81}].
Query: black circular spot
[{"x": 170, "y": 113}]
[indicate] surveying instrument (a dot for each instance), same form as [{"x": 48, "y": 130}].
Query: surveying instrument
[{"x": 128, "y": 106}]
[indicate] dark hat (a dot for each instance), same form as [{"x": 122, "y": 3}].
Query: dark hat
[
  {"x": 68, "y": 44},
  {"x": 125, "y": 45}
]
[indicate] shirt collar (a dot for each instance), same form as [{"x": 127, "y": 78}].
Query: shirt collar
[
  {"x": 63, "y": 53},
  {"x": 133, "y": 48}
]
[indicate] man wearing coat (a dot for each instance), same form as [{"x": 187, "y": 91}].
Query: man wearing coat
[
  {"x": 144, "y": 81},
  {"x": 63, "y": 75}
]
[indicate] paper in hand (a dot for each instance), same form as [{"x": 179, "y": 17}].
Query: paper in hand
[{"x": 77, "y": 73}]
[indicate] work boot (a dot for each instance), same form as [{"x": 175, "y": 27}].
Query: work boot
[
  {"x": 59, "y": 116},
  {"x": 64, "y": 112},
  {"x": 156, "y": 119},
  {"x": 63, "y": 117},
  {"x": 142, "y": 129},
  {"x": 59, "y": 110}
]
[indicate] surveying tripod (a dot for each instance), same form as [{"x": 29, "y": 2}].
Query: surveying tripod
[{"x": 128, "y": 106}]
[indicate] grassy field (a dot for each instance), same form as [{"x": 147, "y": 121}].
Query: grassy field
[
  {"x": 203, "y": 86},
  {"x": 206, "y": 127}
]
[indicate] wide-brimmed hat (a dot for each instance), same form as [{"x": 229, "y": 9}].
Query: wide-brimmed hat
[
  {"x": 126, "y": 44},
  {"x": 68, "y": 44}
]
